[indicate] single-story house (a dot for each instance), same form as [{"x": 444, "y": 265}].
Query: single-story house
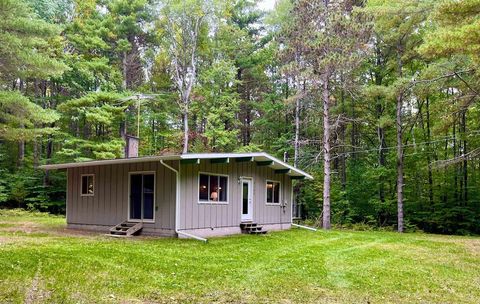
[{"x": 186, "y": 195}]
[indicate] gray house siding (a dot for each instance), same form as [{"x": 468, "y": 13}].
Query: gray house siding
[
  {"x": 109, "y": 204},
  {"x": 195, "y": 215}
]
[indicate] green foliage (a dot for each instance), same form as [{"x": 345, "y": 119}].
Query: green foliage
[
  {"x": 456, "y": 30},
  {"x": 96, "y": 118},
  {"x": 20, "y": 119},
  {"x": 67, "y": 66},
  {"x": 25, "y": 48},
  {"x": 218, "y": 105}
]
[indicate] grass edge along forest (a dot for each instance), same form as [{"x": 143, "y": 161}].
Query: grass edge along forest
[{"x": 41, "y": 261}]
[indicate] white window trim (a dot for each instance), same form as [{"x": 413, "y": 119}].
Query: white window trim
[
  {"x": 209, "y": 202},
  {"x": 279, "y": 192},
  {"x": 81, "y": 184},
  {"x": 154, "y": 194}
]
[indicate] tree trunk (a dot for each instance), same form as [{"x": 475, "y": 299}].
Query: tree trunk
[
  {"x": 21, "y": 153},
  {"x": 399, "y": 144},
  {"x": 326, "y": 154},
  {"x": 465, "y": 166},
  {"x": 381, "y": 154},
  {"x": 124, "y": 71},
  {"x": 185, "y": 132},
  {"x": 399, "y": 162},
  {"x": 342, "y": 157},
  {"x": 297, "y": 133},
  {"x": 455, "y": 154},
  {"x": 36, "y": 160},
  {"x": 430, "y": 174}
]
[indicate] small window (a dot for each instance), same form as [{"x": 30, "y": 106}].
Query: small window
[
  {"x": 273, "y": 192},
  {"x": 212, "y": 188},
  {"x": 88, "y": 188}
]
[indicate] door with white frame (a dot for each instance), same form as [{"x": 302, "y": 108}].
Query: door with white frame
[{"x": 247, "y": 199}]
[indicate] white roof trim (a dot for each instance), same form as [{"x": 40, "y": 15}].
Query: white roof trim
[{"x": 264, "y": 156}]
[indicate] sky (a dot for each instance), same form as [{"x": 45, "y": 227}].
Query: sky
[{"x": 266, "y": 4}]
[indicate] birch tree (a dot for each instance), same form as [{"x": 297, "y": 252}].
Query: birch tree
[{"x": 182, "y": 23}]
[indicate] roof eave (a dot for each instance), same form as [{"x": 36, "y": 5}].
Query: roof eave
[{"x": 293, "y": 171}]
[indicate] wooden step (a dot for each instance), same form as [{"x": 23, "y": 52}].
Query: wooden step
[
  {"x": 252, "y": 228},
  {"x": 127, "y": 224},
  {"x": 126, "y": 229},
  {"x": 256, "y": 228},
  {"x": 247, "y": 225},
  {"x": 257, "y": 232}
]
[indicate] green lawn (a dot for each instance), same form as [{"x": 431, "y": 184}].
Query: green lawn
[{"x": 41, "y": 261}]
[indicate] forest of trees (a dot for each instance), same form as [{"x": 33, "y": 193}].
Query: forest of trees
[{"x": 378, "y": 99}]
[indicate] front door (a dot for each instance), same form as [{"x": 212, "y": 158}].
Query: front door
[
  {"x": 142, "y": 197},
  {"x": 247, "y": 200}
]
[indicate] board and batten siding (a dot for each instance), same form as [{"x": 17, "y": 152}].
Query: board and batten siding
[
  {"x": 195, "y": 215},
  {"x": 109, "y": 204}
]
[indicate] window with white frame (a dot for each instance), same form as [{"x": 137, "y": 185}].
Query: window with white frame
[
  {"x": 273, "y": 192},
  {"x": 88, "y": 185},
  {"x": 212, "y": 188}
]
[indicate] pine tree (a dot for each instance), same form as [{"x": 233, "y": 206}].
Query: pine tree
[
  {"x": 25, "y": 53},
  {"x": 329, "y": 39}
]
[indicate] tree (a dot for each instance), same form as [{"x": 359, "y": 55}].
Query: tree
[
  {"x": 184, "y": 22},
  {"x": 21, "y": 119},
  {"x": 93, "y": 122},
  {"x": 329, "y": 38},
  {"x": 24, "y": 53},
  {"x": 399, "y": 26},
  {"x": 131, "y": 20},
  {"x": 217, "y": 106},
  {"x": 89, "y": 52}
]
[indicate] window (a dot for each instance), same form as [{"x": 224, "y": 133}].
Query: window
[
  {"x": 212, "y": 188},
  {"x": 88, "y": 188},
  {"x": 273, "y": 192}
]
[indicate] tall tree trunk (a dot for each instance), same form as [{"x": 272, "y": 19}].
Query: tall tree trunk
[
  {"x": 297, "y": 133},
  {"x": 381, "y": 154},
  {"x": 354, "y": 135},
  {"x": 445, "y": 171},
  {"x": 465, "y": 163},
  {"x": 326, "y": 153},
  {"x": 399, "y": 163},
  {"x": 429, "y": 160},
  {"x": 399, "y": 144},
  {"x": 48, "y": 156},
  {"x": 380, "y": 129},
  {"x": 185, "y": 131},
  {"x": 455, "y": 175},
  {"x": 342, "y": 158},
  {"x": 21, "y": 152},
  {"x": 124, "y": 71},
  {"x": 36, "y": 151}
]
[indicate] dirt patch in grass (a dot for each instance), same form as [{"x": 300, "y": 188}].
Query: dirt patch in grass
[
  {"x": 7, "y": 240},
  {"x": 24, "y": 227},
  {"x": 472, "y": 245},
  {"x": 28, "y": 227},
  {"x": 64, "y": 231},
  {"x": 36, "y": 292}
]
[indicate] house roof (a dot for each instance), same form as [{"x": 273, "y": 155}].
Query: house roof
[{"x": 261, "y": 158}]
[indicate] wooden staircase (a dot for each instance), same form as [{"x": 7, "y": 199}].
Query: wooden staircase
[
  {"x": 252, "y": 228},
  {"x": 126, "y": 229}
]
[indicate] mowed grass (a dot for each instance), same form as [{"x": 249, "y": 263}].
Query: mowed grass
[{"x": 42, "y": 262}]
